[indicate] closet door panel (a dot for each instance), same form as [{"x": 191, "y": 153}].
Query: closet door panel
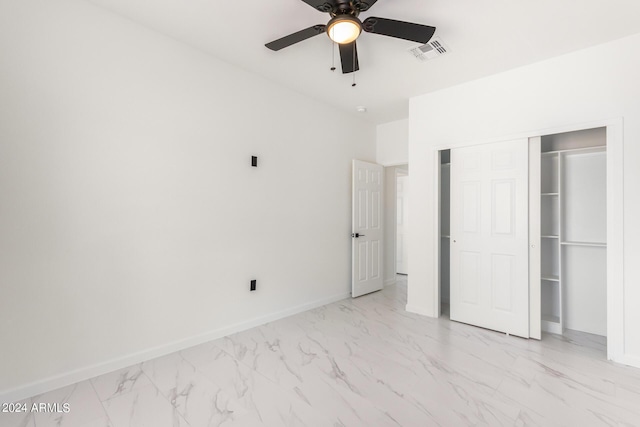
[{"x": 489, "y": 236}]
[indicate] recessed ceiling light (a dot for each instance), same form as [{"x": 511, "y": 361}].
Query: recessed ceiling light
[{"x": 361, "y": 109}]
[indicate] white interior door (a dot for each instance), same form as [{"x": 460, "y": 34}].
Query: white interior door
[
  {"x": 489, "y": 236},
  {"x": 367, "y": 228},
  {"x": 402, "y": 215}
]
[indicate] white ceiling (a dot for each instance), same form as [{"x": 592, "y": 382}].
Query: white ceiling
[{"x": 484, "y": 36}]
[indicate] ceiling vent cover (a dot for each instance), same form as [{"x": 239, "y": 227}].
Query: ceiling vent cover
[{"x": 431, "y": 50}]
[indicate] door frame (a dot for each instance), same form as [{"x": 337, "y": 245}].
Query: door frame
[
  {"x": 615, "y": 221},
  {"x": 399, "y": 173}
]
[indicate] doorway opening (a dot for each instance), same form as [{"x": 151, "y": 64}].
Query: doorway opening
[{"x": 396, "y": 198}]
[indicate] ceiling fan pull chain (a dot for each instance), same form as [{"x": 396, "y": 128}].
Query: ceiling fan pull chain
[
  {"x": 333, "y": 56},
  {"x": 354, "y": 71}
]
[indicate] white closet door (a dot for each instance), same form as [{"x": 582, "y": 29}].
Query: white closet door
[{"x": 489, "y": 236}]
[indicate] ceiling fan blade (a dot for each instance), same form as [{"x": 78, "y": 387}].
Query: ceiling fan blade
[
  {"x": 399, "y": 29},
  {"x": 294, "y": 38},
  {"x": 349, "y": 57},
  {"x": 322, "y": 5}
]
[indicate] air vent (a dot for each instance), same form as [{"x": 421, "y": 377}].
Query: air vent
[{"x": 431, "y": 50}]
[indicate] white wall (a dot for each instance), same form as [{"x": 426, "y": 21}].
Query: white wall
[
  {"x": 599, "y": 83},
  {"x": 392, "y": 143},
  {"x": 130, "y": 219}
]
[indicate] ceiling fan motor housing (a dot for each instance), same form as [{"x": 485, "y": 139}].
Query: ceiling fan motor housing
[{"x": 338, "y": 7}]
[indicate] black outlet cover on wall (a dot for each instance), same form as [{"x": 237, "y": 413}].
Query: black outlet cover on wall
[
  {"x": 254, "y": 161},
  {"x": 253, "y": 285}
]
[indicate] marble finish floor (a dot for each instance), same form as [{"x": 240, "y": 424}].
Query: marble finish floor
[{"x": 360, "y": 362}]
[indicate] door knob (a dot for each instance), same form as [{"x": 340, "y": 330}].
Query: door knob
[{"x": 356, "y": 235}]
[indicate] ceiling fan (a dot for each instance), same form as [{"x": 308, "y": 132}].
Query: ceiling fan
[{"x": 344, "y": 28}]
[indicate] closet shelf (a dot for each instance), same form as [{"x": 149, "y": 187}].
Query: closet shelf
[
  {"x": 592, "y": 244},
  {"x": 445, "y": 237},
  {"x": 550, "y": 278},
  {"x": 549, "y": 194},
  {"x": 550, "y": 236},
  {"x": 595, "y": 149}
]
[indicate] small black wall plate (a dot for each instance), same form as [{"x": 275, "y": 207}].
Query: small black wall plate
[
  {"x": 254, "y": 161},
  {"x": 253, "y": 285}
]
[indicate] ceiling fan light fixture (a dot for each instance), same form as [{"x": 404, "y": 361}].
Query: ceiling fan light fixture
[{"x": 344, "y": 29}]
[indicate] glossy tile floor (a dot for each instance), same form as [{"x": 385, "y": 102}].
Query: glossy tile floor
[{"x": 362, "y": 362}]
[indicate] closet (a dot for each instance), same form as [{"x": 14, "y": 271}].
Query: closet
[
  {"x": 571, "y": 169},
  {"x": 573, "y": 231}
]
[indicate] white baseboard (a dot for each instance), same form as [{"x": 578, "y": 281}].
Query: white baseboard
[
  {"x": 82, "y": 374},
  {"x": 418, "y": 310}
]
